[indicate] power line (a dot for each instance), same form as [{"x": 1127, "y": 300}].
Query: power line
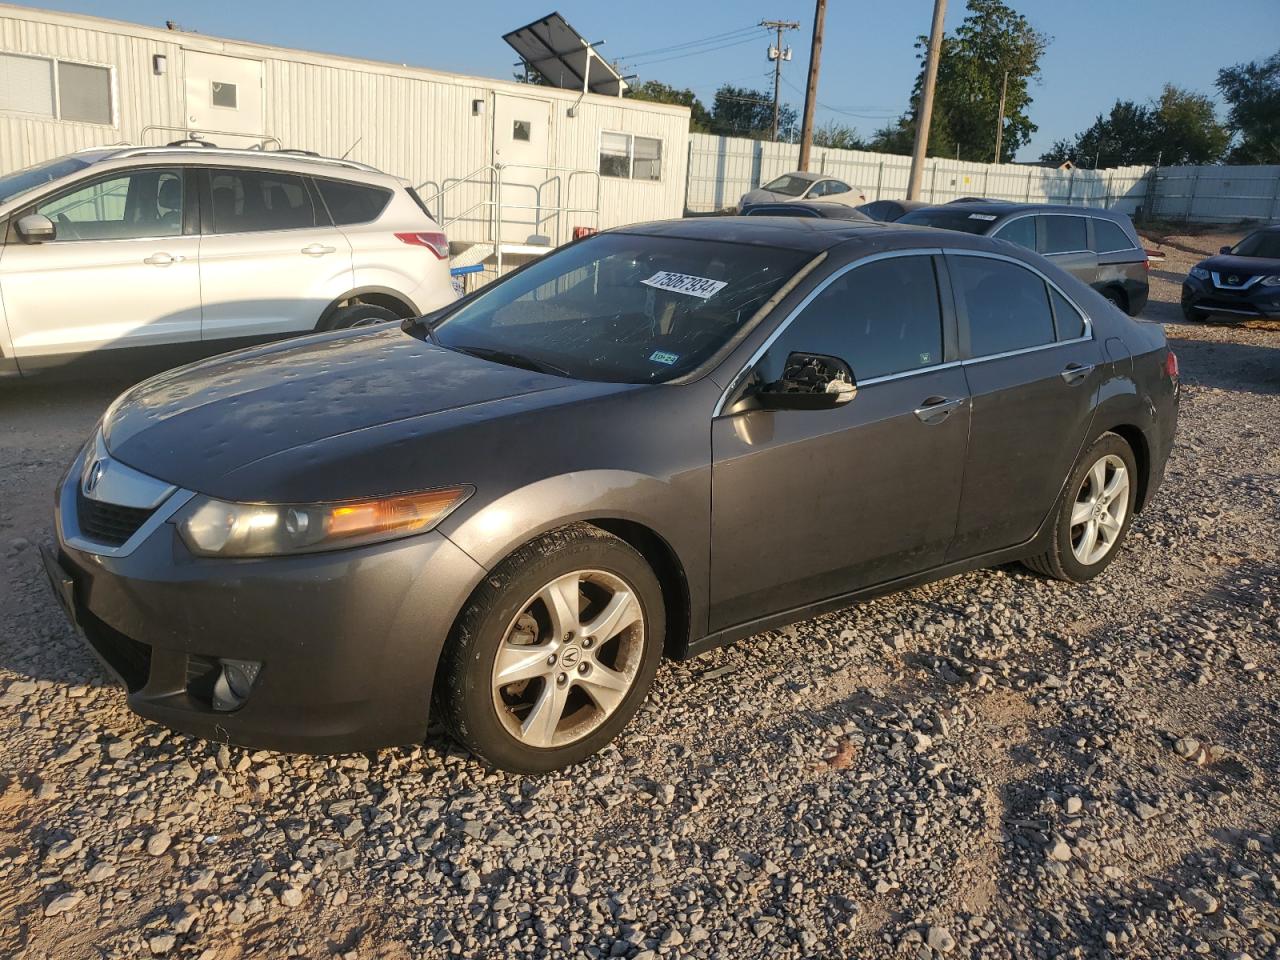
[
  {"x": 887, "y": 113},
  {"x": 715, "y": 38},
  {"x": 692, "y": 53}
]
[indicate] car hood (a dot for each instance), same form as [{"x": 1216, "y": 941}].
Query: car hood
[
  {"x": 1244, "y": 266},
  {"x": 206, "y": 427}
]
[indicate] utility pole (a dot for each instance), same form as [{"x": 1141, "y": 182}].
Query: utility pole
[
  {"x": 811, "y": 89},
  {"x": 926, "y": 101},
  {"x": 777, "y": 54},
  {"x": 1004, "y": 88}
]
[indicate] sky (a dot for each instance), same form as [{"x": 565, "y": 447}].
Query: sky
[{"x": 1101, "y": 50}]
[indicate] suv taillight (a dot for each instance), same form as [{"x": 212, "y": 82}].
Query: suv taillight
[
  {"x": 1171, "y": 365},
  {"x": 437, "y": 243}
]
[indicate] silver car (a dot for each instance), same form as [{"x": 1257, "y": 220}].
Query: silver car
[{"x": 799, "y": 185}]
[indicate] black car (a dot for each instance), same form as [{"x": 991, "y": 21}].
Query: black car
[
  {"x": 1099, "y": 246},
  {"x": 814, "y": 209},
  {"x": 1241, "y": 281},
  {"x": 646, "y": 444},
  {"x": 887, "y": 211}
]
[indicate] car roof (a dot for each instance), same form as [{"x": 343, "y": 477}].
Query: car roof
[
  {"x": 1006, "y": 208},
  {"x": 806, "y": 234},
  {"x": 800, "y": 175},
  {"x": 295, "y": 161}
]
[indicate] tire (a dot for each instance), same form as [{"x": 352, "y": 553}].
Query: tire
[
  {"x": 520, "y": 605},
  {"x": 1069, "y": 556},
  {"x": 1191, "y": 315},
  {"x": 358, "y": 315},
  {"x": 1118, "y": 299}
]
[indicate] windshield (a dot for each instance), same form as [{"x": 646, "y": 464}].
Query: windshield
[
  {"x": 23, "y": 180},
  {"x": 788, "y": 186},
  {"x": 965, "y": 220},
  {"x": 620, "y": 307},
  {"x": 1264, "y": 243}
]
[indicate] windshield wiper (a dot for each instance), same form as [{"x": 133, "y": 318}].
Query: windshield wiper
[{"x": 512, "y": 359}]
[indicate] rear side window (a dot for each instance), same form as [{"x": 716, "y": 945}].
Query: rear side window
[
  {"x": 881, "y": 318},
  {"x": 246, "y": 201},
  {"x": 1021, "y": 231},
  {"x": 1063, "y": 234},
  {"x": 353, "y": 202},
  {"x": 1109, "y": 238},
  {"x": 1007, "y": 305},
  {"x": 1067, "y": 318}
]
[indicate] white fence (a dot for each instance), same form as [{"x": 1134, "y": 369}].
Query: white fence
[{"x": 722, "y": 169}]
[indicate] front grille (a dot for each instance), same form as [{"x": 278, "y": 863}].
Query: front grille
[{"x": 108, "y": 523}]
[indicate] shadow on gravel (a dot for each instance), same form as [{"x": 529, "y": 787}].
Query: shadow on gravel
[{"x": 1242, "y": 367}]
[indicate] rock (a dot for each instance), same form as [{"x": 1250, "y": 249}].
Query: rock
[
  {"x": 1187, "y": 747},
  {"x": 1200, "y": 900},
  {"x": 100, "y": 871},
  {"x": 291, "y": 897},
  {"x": 158, "y": 843},
  {"x": 162, "y": 943},
  {"x": 1074, "y": 805},
  {"x": 1144, "y": 810},
  {"x": 1060, "y": 851},
  {"x": 63, "y": 903},
  {"x": 940, "y": 940}
]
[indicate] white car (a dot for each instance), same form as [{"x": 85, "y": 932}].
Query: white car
[
  {"x": 207, "y": 249},
  {"x": 799, "y": 185}
]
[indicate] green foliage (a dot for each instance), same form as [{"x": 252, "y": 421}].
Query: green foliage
[
  {"x": 741, "y": 112},
  {"x": 838, "y": 136},
  {"x": 1252, "y": 91},
  {"x": 657, "y": 92}
]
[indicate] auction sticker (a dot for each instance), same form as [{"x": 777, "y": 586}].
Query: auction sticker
[
  {"x": 663, "y": 356},
  {"x": 982, "y": 216},
  {"x": 700, "y": 287}
]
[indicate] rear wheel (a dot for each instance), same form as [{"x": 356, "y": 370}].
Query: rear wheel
[
  {"x": 359, "y": 315},
  {"x": 1117, "y": 297},
  {"x": 1093, "y": 513},
  {"x": 554, "y": 652}
]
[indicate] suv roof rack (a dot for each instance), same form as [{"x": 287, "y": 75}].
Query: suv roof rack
[{"x": 205, "y": 148}]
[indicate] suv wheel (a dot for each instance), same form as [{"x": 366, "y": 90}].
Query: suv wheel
[
  {"x": 554, "y": 653},
  {"x": 359, "y": 315},
  {"x": 1093, "y": 513}
]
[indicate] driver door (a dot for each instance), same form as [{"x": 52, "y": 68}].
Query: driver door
[
  {"x": 122, "y": 271},
  {"x": 812, "y": 504}
]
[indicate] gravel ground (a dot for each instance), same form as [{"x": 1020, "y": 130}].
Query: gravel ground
[{"x": 992, "y": 766}]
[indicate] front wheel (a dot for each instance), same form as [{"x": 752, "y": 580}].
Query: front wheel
[
  {"x": 1093, "y": 512},
  {"x": 554, "y": 652}
]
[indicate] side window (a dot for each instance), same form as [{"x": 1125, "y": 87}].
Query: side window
[
  {"x": 835, "y": 186},
  {"x": 252, "y": 200},
  {"x": 1062, "y": 234},
  {"x": 881, "y": 318},
  {"x": 1108, "y": 237},
  {"x": 145, "y": 203},
  {"x": 1067, "y": 318},
  {"x": 1021, "y": 231},
  {"x": 1007, "y": 305},
  {"x": 353, "y": 202}
]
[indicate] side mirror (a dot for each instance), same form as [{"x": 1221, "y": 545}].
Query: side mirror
[
  {"x": 36, "y": 228},
  {"x": 810, "y": 381},
  {"x": 1224, "y": 250}
]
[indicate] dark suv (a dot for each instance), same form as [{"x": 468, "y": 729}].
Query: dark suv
[
  {"x": 1100, "y": 247},
  {"x": 1242, "y": 281}
]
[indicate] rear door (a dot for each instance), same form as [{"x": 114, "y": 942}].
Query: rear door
[
  {"x": 1064, "y": 239},
  {"x": 123, "y": 270},
  {"x": 270, "y": 259},
  {"x": 1032, "y": 368},
  {"x": 812, "y": 504}
]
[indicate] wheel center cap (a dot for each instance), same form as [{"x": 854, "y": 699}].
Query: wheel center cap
[
  {"x": 1099, "y": 511},
  {"x": 570, "y": 656}
]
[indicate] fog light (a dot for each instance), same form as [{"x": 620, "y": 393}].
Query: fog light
[{"x": 235, "y": 681}]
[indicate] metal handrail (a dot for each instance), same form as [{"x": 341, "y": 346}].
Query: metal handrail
[{"x": 195, "y": 134}]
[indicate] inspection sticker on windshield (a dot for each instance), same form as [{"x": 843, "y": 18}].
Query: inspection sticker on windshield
[
  {"x": 662, "y": 356},
  {"x": 982, "y": 216},
  {"x": 700, "y": 287}
]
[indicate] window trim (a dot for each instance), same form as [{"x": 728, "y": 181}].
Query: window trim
[
  {"x": 962, "y": 313},
  {"x": 631, "y": 155},
  {"x": 190, "y": 204},
  {"x": 113, "y": 88},
  {"x": 950, "y": 320}
]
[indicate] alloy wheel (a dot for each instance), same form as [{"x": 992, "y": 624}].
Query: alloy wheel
[
  {"x": 569, "y": 658},
  {"x": 1098, "y": 514}
]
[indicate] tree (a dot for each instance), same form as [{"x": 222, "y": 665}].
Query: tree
[
  {"x": 1177, "y": 127},
  {"x": 740, "y": 112},
  {"x": 838, "y": 136},
  {"x": 657, "y": 92},
  {"x": 992, "y": 40},
  {"x": 1252, "y": 91}
]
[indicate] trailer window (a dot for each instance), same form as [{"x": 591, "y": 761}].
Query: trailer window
[
  {"x": 82, "y": 91},
  {"x": 630, "y": 157}
]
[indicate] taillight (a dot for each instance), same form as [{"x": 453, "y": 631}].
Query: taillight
[
  {"x": 437, "y": 243},
  {"x": 1171, "y": 365}
]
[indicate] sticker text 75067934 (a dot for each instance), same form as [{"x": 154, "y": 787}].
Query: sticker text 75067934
[{"x": 701, "y": 287}]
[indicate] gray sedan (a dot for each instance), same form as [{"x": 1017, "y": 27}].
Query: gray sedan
[{"x": 646, "y": 444}]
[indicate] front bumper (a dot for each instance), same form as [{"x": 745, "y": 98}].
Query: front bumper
[
  {"x": 1202, "y": 297},
  {"x": 348, "y": 640}
]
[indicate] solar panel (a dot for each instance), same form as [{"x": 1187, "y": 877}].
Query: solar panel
[{"x": 560, "y": 55}]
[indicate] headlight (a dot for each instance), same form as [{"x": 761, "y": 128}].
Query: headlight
[
  {"x": 1270, "y": 281},
  {"x": 217, "y": 528},
  {"x": 1200, "y": 273}
]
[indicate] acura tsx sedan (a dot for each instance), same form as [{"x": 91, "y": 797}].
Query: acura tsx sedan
[{"x": 648, "y": 443}]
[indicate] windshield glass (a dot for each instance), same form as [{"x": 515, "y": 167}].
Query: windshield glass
[
  {"x": 619, "y": 307},
  {"x": 788, "y": 186},
  {"x": 965, "y": 220},
  {"x": 1264, "y": 243},
  {"x": 23, "y": 180}
]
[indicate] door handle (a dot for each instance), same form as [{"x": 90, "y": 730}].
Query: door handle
[
  {"x": 317, "y": 249},
  {"x": 1076, "y": 372},
  {"x": 937, "y": 409},
  {"x": 162, "y": 259}
]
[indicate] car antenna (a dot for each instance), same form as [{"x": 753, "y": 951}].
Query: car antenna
[{"x": 350, "y": 148}]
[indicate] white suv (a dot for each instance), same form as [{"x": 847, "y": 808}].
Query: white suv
[{"x": 205, "y": 248}]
